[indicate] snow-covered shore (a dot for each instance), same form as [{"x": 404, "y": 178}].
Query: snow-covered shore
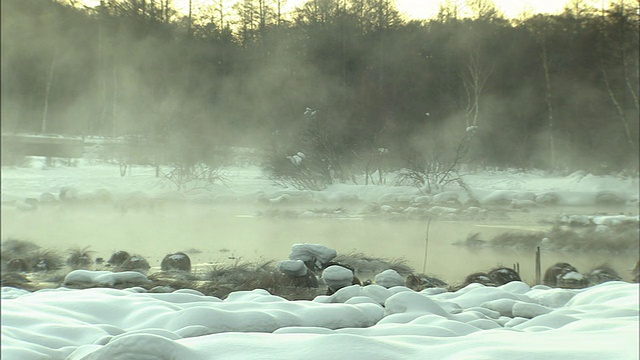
[
  {"x": 372, "y": 322},
  {"x": 90, "y": 181}
]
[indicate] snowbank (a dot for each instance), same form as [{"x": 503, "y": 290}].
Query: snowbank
[
  {"x": 371, "y": 322},
  {"x": 90, "y": 181}
]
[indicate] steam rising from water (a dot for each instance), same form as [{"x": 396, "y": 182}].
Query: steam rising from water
[{"x": 226, "y": 235}]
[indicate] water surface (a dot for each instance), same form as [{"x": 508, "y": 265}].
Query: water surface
[{"x": 230, "y": 234}]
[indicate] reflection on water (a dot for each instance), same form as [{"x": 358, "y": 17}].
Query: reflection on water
[{"x": 225, "y": 235}]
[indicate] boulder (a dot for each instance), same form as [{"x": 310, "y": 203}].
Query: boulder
[
  {"x": 602, "y": 274},
  {"x": 479, "y": 278},
  {"x": 136, "y": 263},
  {"x": 28, "y": 204},
  {"x": 176, "y": 261},
  {"x": 17, "y": 265},
  {"x": 118, "y": 258},
  {"x": 564, "y": 275},
  {"x": 503, "y": 275}
]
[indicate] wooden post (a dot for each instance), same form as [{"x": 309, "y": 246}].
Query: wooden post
[
  {"x": 538, "y": 265},
  {"x": 426, "y": 248}
]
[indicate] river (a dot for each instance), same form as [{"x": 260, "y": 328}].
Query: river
[{"x": 216, "y": 234}]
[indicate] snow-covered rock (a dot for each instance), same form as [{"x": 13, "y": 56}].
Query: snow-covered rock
[
  {"x": 294, "y": 268},
  {"x": 109, "y": 278},
  {"x": 312, "y": 253},
  {"x": 337, "y": 277},
  {"x": 389, "y": 278}
]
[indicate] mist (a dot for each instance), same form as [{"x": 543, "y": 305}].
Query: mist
[
  {"x": 129, "y": 69},
  {"x": 362, "y": 93},
  {"x": 225, "y": 235}
]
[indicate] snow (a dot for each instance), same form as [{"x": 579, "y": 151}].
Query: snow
[
  {"x": 104, "y": 277},
  {"x": 314, "y": 253},
  {"x": 389, "y": 278},
  {"x": 294, "y": 268},
  {"x": 100, "y": 323},
  {"x": 573, "y": 276},
  {"x": 356, "y": 322},
  {"x": 90, "y": 179}
]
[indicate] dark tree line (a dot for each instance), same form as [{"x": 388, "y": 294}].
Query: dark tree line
[{"x": 546, "y": 91}]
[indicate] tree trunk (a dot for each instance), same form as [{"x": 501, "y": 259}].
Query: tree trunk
[
  {"x": 627, "y": 80},
  {"x": 43, "y": 128},
  {"x": 545, "y": 66},
  {"x": 189, "y": 19},
  {"x": 538, "y": 268},
  {"x": 474, "y": 86},
  {"x": 102, "y": 65},
  {"x": 621, "y": 115},
  {"x": 114, "y": 131}
]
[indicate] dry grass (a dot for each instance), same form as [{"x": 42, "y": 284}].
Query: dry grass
[
  {"x": 48, "y": 260},
  {"x": 80, "y": 258},
  {"x": 218, "y": 281},
  {"x": 222, "y": 280},
  {"x": 523, "y": 240},
  {"x": 17, "y": 249},
  {"x": 619, "y": 239},
  {"x": 623, "y": 238},
  {"x": 37, "y": 259}
]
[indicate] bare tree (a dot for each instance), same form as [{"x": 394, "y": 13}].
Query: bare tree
[
  {"x": 279, "y": 15},
  {"x": 319, "y": 12},
  {"x": 550, "y": 122},
  {"x": 189, "y": 33},
  {"x": 618, "y": 36},
  {"x": 380, "y": 15},
  {"x": 188, "y": 177},
  {"x": 434, "y": 168},
  {"x": 221, "y": 14},
  {"x": 319, "y": 158},
  {"x": 621, "y": 113},
  {"x": 45, "y": 112},
  {"x": 450, "y": 10},
  {"x": 539, "y": 27},
  {"x": 247, "y": 20},
  {"x": 484, "y": 9},
  {"x": 105, "y": 60},
  {"x": 474, "y": 81}
]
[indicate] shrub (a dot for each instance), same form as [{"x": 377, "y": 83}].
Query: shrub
[
  {"x": 79, "y": 258},
  {"x": 432, "y": 169}
]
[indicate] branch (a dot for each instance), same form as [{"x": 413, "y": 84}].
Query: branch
[{"x": 618, "y": 108}]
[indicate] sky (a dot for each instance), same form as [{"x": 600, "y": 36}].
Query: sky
[{"x": 425, "y": 9}]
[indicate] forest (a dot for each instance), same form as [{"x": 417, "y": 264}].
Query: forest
[{"x": 351, "y": 84}]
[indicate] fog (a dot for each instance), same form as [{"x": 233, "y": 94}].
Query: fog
[
  {"x": 186, "y": 87},
  {"x": 184, "y": 92}
]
